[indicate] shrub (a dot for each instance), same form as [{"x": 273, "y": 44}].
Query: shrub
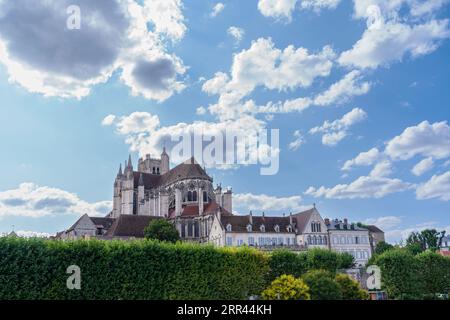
[
  {"x": 141, "y": 269},
  {"x": 287, "y": 262},
  {"x": 350, "y": 289},
  {"x": 322, "y": 285},
  {"x": 382, "y": 247},
  {"x": 287, "y": 287},
  {"x": 323, "y": 259},
  {"x": 400, "y": 274},
  {"x": 162, "y": 230},
  {"x": 434, "y": 271},
  {"x": 345, "y": 261}
]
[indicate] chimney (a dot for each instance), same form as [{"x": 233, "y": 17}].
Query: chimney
[
  {"x": 345, "y": 221},
  {"x": 290, "y": 218},
  {"x": 250, "y": 217},
  {"x": 327, "y": 221}
]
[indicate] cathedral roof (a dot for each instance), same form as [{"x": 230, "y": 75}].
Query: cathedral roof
[
  {"x": 130, "y": 226},
  {"x": 186, "y": 170}
]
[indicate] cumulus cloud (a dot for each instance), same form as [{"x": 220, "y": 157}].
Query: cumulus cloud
[
  {"x": 424, "y": 139},
  {"x": 108, "y": 120},
  {"x": 394, "y": 31},
  {"x": 44, "y": 56},
  {"x": 261, "y": 202},
  {"x": 335, "y": 131},
  {"x": 218, "y": 8},
  {"x": 384, "y": 223},
  {"x": 297, "y": 142},
  {"x": 236, "y": 33},
  {"x": 423, "y": 166},
  {"x": 283, "y": 9},
  {"x": 363, "y": 159},
  {"x": 364, "y": 187},
  {"x": 31, "y": 200},
  {"x": 438, "y": 187}
]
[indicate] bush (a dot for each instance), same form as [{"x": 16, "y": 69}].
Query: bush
[
  {"x": 400, "y": 274},
  {"x": 141, "y": 269},
  {"x": 382, "y": 247},
  {"x": 286, "y": 287},
  {"x": 350, "y": 289},
  {"x": 322, "y": 285},
  {"x": 287, "y": 262},
  {"x": 162, "y": 230},
  {"x": 434, "y": 271},
  {"x": 345, "y": 261}
]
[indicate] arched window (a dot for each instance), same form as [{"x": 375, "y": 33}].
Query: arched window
[
  {"x": 205, "y": 196},
  {"x": 189, "y": 196},
  {"x": 309, "y": 240},
  {"x": 325, "y": 241},
  {"x": 289, "y": 229},
  {"x": 249, "y": 228},
  {"x": 194, "y": 196},
  {"x": 157, "y": 170},
  {"x": 262, "y": 228},
  {"x": 277, "y": 228},
  {"x": 229, "y": 227},
  {"x": 319, "y": 240},
  {"x": 154, "y": 170},
  {"x": 313, "y": 227}
]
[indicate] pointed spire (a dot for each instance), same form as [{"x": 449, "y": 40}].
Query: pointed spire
[
  {"x": 130, "y": 164},
  {"x": 141, "y": 180},
  {"x": 120, "y": 171}
]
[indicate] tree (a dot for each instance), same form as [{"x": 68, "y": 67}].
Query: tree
[
  {"x": 426, "y": 239},
  {"x": 383, "y": 247},
  {"x": 346, "y": 260},
  {"x": 350, "y": 289},
  {"x": 434, "y": 272},
  {"x": 162, "y": 230},
  {"x": 287, "y": 287},
  {"x": 287, "y": 262},
  {"x": 322, "y": 285}
]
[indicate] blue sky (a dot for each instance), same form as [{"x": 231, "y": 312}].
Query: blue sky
[{"x": 370, "y": 74}]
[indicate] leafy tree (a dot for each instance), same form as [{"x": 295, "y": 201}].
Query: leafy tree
[
  {"x": 322, "y": 285},
  {"x": 322, "y": 259},
  {"x": 400, "y": 274},
  {"x": 346, "y": 261},
  {"x": 426, "y": 239},
  {"x": 287, "y": 287},
  {"x": 383, "y": 247},
  {"x": 287, "y": 262},
  {"x": 434, "y": 272},
  {"x": 162, "y": 230},
  {"x": 350, "y": 289}
]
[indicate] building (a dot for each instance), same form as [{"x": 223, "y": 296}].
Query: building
[
  {"x": 201, "y": 213},
  {"x": 445, "y": 243},
  {"x": 350, "y": 238},
  {"x": 376, "y": 235}
]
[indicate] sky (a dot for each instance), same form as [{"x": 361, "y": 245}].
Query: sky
[{"x": 359, "y": 91}]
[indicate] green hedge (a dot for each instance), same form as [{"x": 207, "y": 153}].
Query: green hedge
[
  {"x": 408, "y": 276},
  {"x": 36, "y": 269}
]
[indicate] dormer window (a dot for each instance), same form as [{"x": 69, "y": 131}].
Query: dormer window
[
  {"x": 277, "y": 228},
  {"x": 289, "y": 229},
  {"x": 249, "y": 228},
  {"x": 262, "y": 228},
  {"x": 229, "y": 227}
]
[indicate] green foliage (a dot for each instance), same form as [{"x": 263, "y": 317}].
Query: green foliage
[
  {"x": 382, "y": 247},
  {"x": 426, "y": 239},
  {"x": 345, "y": 261},
  {"x": 323, "y": 259},
  {"x": 400, "y": 274},
  {"x": 162, "y": 230},
  {"x": 287, "y": 287},
  {"x": 322, "y": 285},
  {"x": 350, "y": 289},
  {"x": 434, "y": 271},
  {"x": 141, "y": 269},
  {"x": 287, "y": 262}
]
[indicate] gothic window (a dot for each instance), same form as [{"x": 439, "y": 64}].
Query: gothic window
[
  {"x": 229, "y": 228},
  {"x": 289, "y": 229},
  {"x": 157, "y": 170},
  {"x": 319, "y": 227},
  {"x": 194, "y": 196},
  {"x": 313, "y": 227},
  {"x": 189, "y": 196},
  {"x": 325, "y": 241},
  {"x": 154, "y": 170},
  {"x": 249, "y": 228},
  {"x": 309, "y": 240},
  {"x": 262, "y": 228},
  {"x": 277, "y": 228},
  {"x": 205, "y": 196}
]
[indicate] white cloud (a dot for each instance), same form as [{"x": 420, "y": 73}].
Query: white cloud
[
  {"x": 236, "y": 33},
  {"x": 31, "y": 200},
  {"x": 382, "y": 169},
  {"x": 297, "y": 142},
  {"x": 384, "y": 223},
  {"x": 363, "y": 159},
  {"x": 32, "y": 234},
  {"x": 395, "y": 29},
  {"x": 108, "y": 120},
  {"x": 423, "y": 166},
  {"x": 279, "y": 9},
  {"x": 340, "y": 92},
  {"x": 218, "y": 8},
  {"x": 438, "y": 187},
  {"x": 318, "y": 5},
  {"x": 425, "y": 139},
  {"x": 334, "y": 132},
  {"x": 365, "y": 187},
  {"x": 44, "y": 56},
  {"x": 200, "y": 111},
  {"x": 261, "y": 202}
]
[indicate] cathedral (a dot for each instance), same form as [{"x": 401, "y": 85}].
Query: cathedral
[{"x": 183, "y": 194}]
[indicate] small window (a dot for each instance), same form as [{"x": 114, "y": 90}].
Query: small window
[
  {"x": 262, "y": 228},
  {"x": 189, "y": 196},
  {"x": 194, "y": 196},
  {"x": 229, "y": 227},
  {"x": 277, "y": 228},
  {"x": 249, "y": 228},
  {"x": 154, "y": 170},
  {"x": 205, "y": 196}
]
